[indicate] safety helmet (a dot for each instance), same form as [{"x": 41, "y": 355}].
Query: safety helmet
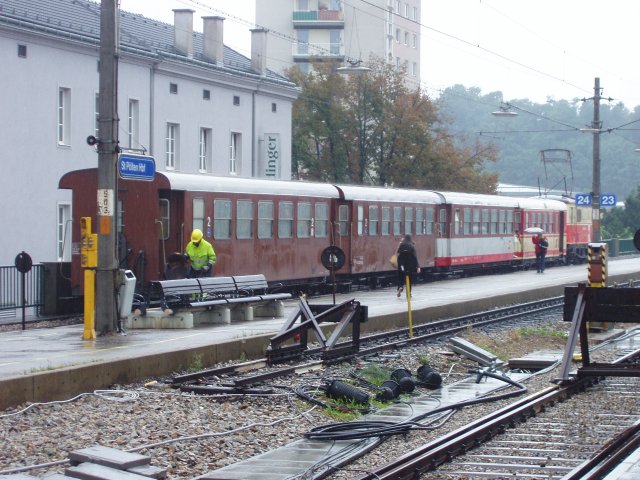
[{"x": 196, "y": 235}]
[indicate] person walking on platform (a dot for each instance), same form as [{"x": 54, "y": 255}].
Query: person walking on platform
[
  {"x": 541, "y": 243},
  {"x": 201, "y": 255},
  {"x": 407, "y": 263}
]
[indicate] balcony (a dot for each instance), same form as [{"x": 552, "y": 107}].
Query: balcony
[
  {"x": 322, "y": 18},
  {"x": 304, "y": 51}
]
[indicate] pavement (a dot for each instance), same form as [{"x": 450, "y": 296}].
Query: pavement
[{"x": 56, "y": 363}]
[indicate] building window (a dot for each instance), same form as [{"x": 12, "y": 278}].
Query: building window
[
  {"x": 406, "y": 10},
  {"x": 165, "y": 217},
  {"x": 96, "y": 116},
  {"x": 415, "y": 41},
  {"x": 221, "y": 219},
  {"x": 335, "y": 42},
  {"x": 173, "y": 88},
  {"x": 64, "y": 232},
  {"x": 171, "y": 146},
  {"x": 398, "y": 35},
  {"x": 206, "y": 94},
  {"x": 285, "y": 220},
  {"x": 406, "y": 38},
  {"x": 274, "y": 107},
  {"x": 22, "y": 51},
  {"x": 133, "y": 124},
  {"x": 204, "y": 155},
  {"x": 303, "y": 42},
  {"x": 235, "y": 152},
  {"x": 304, "y": 220},
  {"x": 414, "y": 69},
  {"x": 198, "y": 214},
  {"x": 265, "y": 219},
  {"x": 244, "y": 223},
  {"x": 236, "y": 100},
  {"x": 373, "y": 219},
  {"x": 399, "y": 7},
  {"x": 322, "y": 220},
  {"x": 64, "y": 116},
  {"x": 415, "y": 13}
]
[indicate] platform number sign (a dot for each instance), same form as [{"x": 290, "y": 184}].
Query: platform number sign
[
  {"x": 608, "y": 200},
  {"x": 583, "y": 199}
]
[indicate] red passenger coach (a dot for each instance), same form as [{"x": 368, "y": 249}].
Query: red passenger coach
[
  {"x": 550, "y": 216},
  {"x": 475, "y": 231},
  {"x": 279, "y": 228},
  {"x": 373, "y": 220}
]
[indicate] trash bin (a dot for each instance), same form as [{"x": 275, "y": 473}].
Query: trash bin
[{"x": 125, "y": 293}]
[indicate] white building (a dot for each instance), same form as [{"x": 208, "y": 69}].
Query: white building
[
  {"x": 193, "y": 104},
  {"x": 310, "y": 30}
]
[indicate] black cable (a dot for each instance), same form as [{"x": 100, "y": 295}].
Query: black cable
[{"x": 365, "y": 429}]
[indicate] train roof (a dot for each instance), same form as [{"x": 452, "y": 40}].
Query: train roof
[
  {"x": 210, "y": 183},
  {"x": 541, "y": 203},
  {"x": 478, "y": 199},
  {"x": 385, "y": 194}
]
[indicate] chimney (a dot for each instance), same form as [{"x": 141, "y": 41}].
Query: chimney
[
  {"x": 259, "y": 50},
  {"x": 183, "y": 28},
  {"x": 213, "y": 46}
]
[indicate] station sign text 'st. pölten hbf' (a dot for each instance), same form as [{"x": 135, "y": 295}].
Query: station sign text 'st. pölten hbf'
[{"x": 136, "y": 167}]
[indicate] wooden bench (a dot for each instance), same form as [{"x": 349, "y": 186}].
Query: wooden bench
[{"x": 211, "y": 293}]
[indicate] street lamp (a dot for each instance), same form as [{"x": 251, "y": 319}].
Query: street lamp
[{"x": 504, "y": 111}]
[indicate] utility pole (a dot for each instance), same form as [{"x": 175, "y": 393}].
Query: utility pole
[
  {"x": 106, "y": 315},
  {"x": 597, "y": 128}
]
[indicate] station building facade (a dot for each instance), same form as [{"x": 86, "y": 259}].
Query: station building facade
[{"x": 183, "y": 97}]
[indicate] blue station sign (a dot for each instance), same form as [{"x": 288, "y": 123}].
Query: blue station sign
[{"x": 136, "y": 167}]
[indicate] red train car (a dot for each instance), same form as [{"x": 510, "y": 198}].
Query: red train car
[{"x": 284, "y": 229}]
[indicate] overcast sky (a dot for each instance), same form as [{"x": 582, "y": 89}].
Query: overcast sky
[{"x": 525, "y": 49}]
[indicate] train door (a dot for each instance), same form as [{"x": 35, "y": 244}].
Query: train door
[
  {"x": 561, "y": 233},
  {"x": 343, "y": 232},
  {"x": 170, "y": 233}
]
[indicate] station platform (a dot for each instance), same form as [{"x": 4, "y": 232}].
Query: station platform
[{"x": 56, "y": 363}]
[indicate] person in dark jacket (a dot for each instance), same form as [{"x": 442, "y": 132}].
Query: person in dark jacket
[
  {"x": 541, "y": 243},
  {"x": 407, "y": 263}
]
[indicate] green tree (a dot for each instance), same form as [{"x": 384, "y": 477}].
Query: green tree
[{"x": 369, "y": 127}]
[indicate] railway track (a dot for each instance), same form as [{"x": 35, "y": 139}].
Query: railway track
[
  {"x": 570, "y": 432},
  {"x": 242, "y": 377}
]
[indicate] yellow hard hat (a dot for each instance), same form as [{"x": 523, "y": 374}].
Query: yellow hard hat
[{"x": 196, "y": 235}]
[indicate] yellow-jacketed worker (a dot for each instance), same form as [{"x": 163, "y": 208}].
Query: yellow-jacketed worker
[{"x": 201, "y": 255}]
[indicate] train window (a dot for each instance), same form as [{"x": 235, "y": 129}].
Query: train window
[
  {"x": 386, "y": 220},
  {"x": 475, "y": 228},
  {"x": 265, "y": 219},
  {"x": 456, "y": 222},
  {"x": 221, "y": 219},
  {"x": 322, "y": 220},
  {"x": 443, "y": 222},
  {"x": 430, "y": 221},
  {"x": 494, "y": 221},
  {"x": 374, "y": 219},
  {"x": 244, "y": 219},
  {"x": 502, "y": 222},
  {"x": 467, "y": 221},
  {"x": 165, "y": 218},
  {"x": 484, "y": 228},
  {"x": 397, "y": 220},
  {"x": 408, "y": 220},
  {"x": 360, "y": 220},
  {"x": 419, "y": 221},
  {"x": 510, "y": 220},
  {"x": 304, "y": 220},
  {"x": 285, "y": 220},
  {"x": 343, "y": 220},
  {"x": 198, "y": 214}
]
